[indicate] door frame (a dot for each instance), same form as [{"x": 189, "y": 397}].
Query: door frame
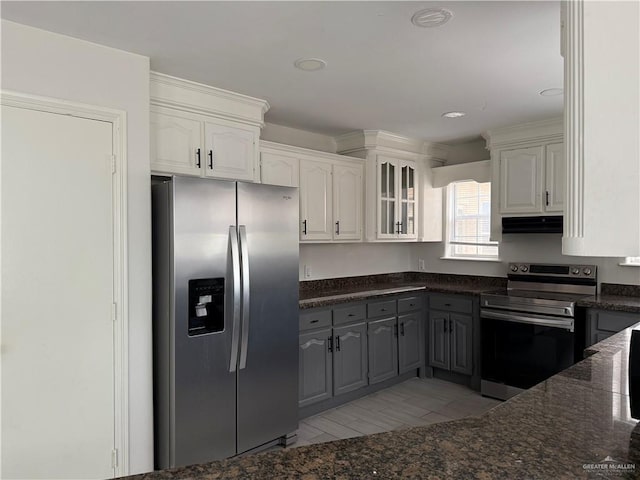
[{"x": 118, "y": 119}]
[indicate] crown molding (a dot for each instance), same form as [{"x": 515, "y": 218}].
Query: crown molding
[
  {"x": 301, "y": 152},
  {"x": 550, "y": 130},
  {"x": 166, "y": 90},
  {"x": 388, "y": 141}
]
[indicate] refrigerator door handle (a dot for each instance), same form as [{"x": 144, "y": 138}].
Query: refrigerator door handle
[
  {"x": 244, "y": 257},
  {"x": 235, "y": 332}
]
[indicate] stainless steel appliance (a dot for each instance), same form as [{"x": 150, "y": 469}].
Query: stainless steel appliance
[
  {"x": 225, "y": 318},
  {"x": 529, "y": 331}
]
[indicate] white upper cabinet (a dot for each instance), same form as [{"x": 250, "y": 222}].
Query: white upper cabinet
[
  {"x": 203, "y": 131},
  {"x": 347, "y": 202},
  {"x": 330, "y": 189},
  {"x": 315, "y": 201},
  {"x": 397, "y": 199},
  {"x": 556, "y": 178},
  {"x": 231, "y": 152},
  {"x": 176, "y": 143},
  {"x": 279, "y": 169},
  {"x": 521, "y": 180}
]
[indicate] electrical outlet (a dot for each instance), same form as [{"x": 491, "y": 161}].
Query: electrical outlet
[
  {"x": 421, "y": 265},
  {"x": 307, "y": 271}
]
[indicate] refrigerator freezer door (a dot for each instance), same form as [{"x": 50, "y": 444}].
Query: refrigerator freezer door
[
  {"x": 199, "y": 417},
  {"x": 268, "y": 383}
]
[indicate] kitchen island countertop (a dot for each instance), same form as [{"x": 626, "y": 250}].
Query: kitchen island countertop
[{"x": 573, "y": 425}]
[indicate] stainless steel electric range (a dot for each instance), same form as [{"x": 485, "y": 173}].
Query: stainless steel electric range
[{"x": 529, "y": 331}]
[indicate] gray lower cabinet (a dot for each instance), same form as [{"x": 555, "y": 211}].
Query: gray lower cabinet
[
  {"x": 349, "y": 357},
  {"x": 383, "y": 349},
  {"x": 604, "y": 323},
  {"x": 410, "y": 342},
  {"x": 451, "y": 341},
  {"x": 315, "y": 383}
]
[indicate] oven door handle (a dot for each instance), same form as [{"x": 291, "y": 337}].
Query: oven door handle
[{"x": 545, "y": 322}]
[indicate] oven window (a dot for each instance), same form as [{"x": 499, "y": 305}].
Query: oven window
[{"x": 523, "y": 355}]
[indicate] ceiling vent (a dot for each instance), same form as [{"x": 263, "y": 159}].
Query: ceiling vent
[{"x": 431, "y": 17}]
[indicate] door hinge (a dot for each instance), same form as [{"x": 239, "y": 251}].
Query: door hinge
[
  {"x": 113, "y": 164},
  {"x": 114, "y": 311},
  {"x": 114, "y": 458}
]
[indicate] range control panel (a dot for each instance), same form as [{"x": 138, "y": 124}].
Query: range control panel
[{"x": 547, "y": 270}]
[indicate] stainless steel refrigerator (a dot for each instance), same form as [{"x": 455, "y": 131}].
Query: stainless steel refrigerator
[{"x": 225, "y": 317}]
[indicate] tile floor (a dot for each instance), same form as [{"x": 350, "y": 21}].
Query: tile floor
[{"x": 418, "y": 401}]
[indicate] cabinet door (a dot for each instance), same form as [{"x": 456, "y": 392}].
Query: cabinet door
[
  {"x": 386, "y": 198},
  {"x": 383, "y": 350},
  {"x": 315, "y": 201},
  {"x": 521, "y": 180},
  {"x": 407, "y": 205},
  {"x": 347, "y": 202},
  {"x": 230, "y": 152},
  {"x": 556, "y": 176},
  {"x": 349, "y": 357},
  {"x": 278, "y": 169},
  {"x": 410, "y": 341},
  {"x": 439, "y": 340},
  {"x": 460, "y": 328},
  {"x": 176, "y": 144},
  {"x": 315, "y": 367}
]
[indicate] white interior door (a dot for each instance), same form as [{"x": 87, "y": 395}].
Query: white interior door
[{"x": 57, "y": 294}]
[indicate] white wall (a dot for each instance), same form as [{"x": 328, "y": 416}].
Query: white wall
[
  {"x": 298, "y": 138},
  {"x": 43, "y": 63},
  {"x": 470, "y": 151},
  {"x": 347, "y": 260},
  {"x": 540, "y": 248}
]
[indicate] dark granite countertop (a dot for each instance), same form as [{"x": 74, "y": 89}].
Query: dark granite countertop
[
  {"x": 321, "y": 293},
  {"x": 618, "y": 303},
  {"x": 574, "y": 425}
]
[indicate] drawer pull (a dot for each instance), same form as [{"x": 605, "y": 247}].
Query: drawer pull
[
  {"x": 412, "y": 304},
  {"x": 314, "y": 321},
  {"x": 351, "y": 315},
  {"x": 447, "y": 304},
  {"x": 383, "y": 309}
]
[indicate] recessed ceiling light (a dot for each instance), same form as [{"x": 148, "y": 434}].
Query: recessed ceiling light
[
  {"x": 431, "y": 17},
  {"x": 310, "y": 64},
  {"x": 453, "y": 114},
  {"x": 552, "y": 92}
]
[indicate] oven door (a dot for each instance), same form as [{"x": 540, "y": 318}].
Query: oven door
[{"x": 520, "y": 350}]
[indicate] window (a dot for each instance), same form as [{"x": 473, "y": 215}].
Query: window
[
  {"x": 635, "y": 261},
  {"x": 469, "y": 221}
]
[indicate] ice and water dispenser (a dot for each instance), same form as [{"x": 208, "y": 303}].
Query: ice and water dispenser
[{"x": 206, "y": 306}]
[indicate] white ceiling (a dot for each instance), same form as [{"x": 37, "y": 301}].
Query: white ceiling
[{"x": 490, "y": 60}]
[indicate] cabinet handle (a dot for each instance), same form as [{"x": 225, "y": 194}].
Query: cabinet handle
[
  {"x": 351, "y": 315},
  {"x": 338, "y": 227},
  {"x": 337, "y": 343},
  {"x": 211, "y": 159},
  {"x": 330, "y": 343},
  {"x": 314, "y": 321},
  {"x": 447, "y": 304},
  {"x": 402, "y": 329},
  {"x": 304, "y": 227},
  {"x": 547, "y": 195},
  {"x": 198, "y": 157},
  {"x": 398, "y": 227}
]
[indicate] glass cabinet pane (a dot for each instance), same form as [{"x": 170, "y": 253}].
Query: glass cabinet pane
[
  {"x": 392, "y": 216},
  {"x": 392, "y": 183},
  {"x": 403, "y": 179},
  {"x": 411, "y": 185},
  {"x": 383, "y": 179},
  {"x": 403, "y": 218},
  {"x": 411, "y": 228},
  {"x": 384, "y": 225}
]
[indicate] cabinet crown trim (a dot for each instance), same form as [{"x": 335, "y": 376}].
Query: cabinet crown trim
[
  {"x": 543, "y": 131},
  {"x": 166, "y": 90},
  {"x": 307, "y": 153},
  {"x": 370, "y": 139}
]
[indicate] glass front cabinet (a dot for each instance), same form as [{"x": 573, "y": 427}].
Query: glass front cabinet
[{"x": 397, "y": 202}]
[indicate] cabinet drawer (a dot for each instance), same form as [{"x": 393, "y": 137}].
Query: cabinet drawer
[
  {"x": 451, "y": 303},
  {"x": 348, "y": 314},
  {"x": 318, "y": 319},
  {"x": 615, "y": 322},
  {"x": 408, "y": 304},
  {"x": 379, "y": 309}
]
